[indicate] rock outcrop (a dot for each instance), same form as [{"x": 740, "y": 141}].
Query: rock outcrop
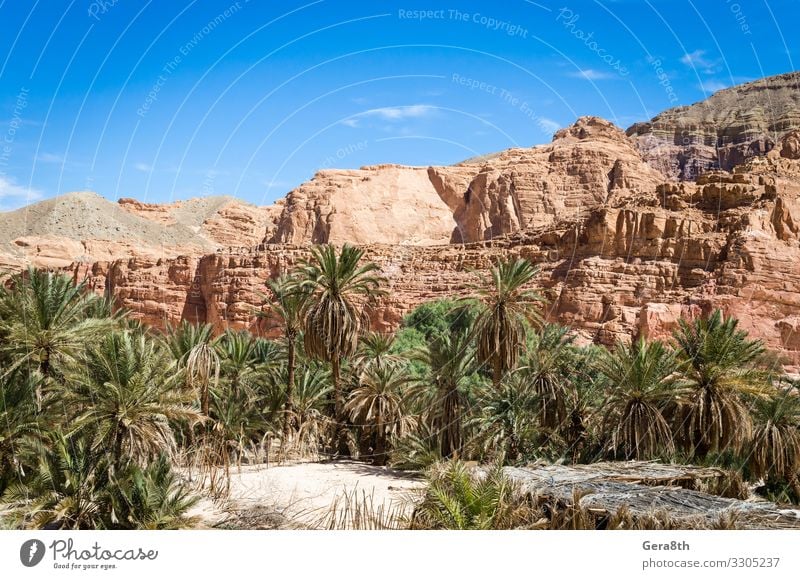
[
  {"x": 588, "y": 165},
  {"x": 722, "y": 131},
  {"x": 380, "y": 204}
]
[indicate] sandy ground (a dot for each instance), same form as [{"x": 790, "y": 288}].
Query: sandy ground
[{"x": 303, "y": 494}]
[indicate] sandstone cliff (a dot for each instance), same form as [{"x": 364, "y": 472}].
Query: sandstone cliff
[
  {"x": 381, "y": 204},
  {"x": 588, "y": 165},
  {"x": 611, "y": 272}
]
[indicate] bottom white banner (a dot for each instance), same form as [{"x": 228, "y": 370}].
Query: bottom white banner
[{"x": 404, "y": 554}]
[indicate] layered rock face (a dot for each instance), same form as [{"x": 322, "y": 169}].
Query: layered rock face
[
  {"x": 588, "y": 165},
  {"x": 723, "y": 131},
  {"x": 729, "y": 240}
]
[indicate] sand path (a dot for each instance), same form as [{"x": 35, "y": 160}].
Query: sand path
[{"x": 304, "y": 493}]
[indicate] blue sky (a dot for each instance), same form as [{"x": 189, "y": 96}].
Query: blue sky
[{"x": 163, "y": 100}]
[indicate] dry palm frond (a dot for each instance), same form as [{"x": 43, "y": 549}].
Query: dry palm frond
[
  {"x": 356, "y": 510},
  {"x": 642, "y": 381},
  {"x": 720, "y": 364},
  {"x": 202, "y": 370},
  {"x": 775, "y": 448}
]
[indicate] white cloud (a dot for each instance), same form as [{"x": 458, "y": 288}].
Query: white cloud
[
  {"x": 711, "y": 85},
  {"x": 548, "y": 125},
  {"x": 143, "y": 167},
  {"x": 591, "y": 74},
  {"x": 18, "y": 194},
  {"x": 698, "y": 60},
  {"x": 50, "y": 158},
  {"x": 391, "y": 114},
  {"x": 398, "y": 113}
]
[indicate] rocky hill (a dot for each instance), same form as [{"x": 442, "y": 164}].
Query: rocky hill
[
  {"x": 722, "y": 131},
  {"x": 85, "y": 227},
  {"x": 624, "y": 250}
]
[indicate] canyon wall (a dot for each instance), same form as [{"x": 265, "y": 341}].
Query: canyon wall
[
  {"x": 729, "y": 240},
  {"x": 630, "y": 232}
]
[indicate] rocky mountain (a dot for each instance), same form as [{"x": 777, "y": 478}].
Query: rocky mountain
[
  {"x": 85, "y": 227},
  {"x": 722, "y": 131},
  {"x": 623, "y": 249}
]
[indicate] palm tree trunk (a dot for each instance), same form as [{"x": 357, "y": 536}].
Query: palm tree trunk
[
  {"x": 380, "y": 442},
  {"x": 118, "y": 447},
  {"x": 513, "y": 445},
  {"x": 288, "y": 408},
  {"x": 340, "y": 439},
  {"x": 451, "y": 429},
  {"x": 204, "y": 398},
  {"x": 497, "y": 375}
]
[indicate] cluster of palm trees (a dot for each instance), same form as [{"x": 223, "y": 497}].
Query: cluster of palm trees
[{"x": 97, "y": 411}]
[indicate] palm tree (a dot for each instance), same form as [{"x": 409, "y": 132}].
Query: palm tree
[
  {"x": 375, "y": 349},
  {"x": 183, "y": 338},
  {"x": 545, "y": 368},
  {"x": 335, "y": 314},
  {"x": 202, "y": 369},
  {"x": 18, "y": 424},
  {"x": 643, "y": 381},
  {"x": 457, "y": 499},
  {"x": 72, "y": 488},
  {"x": 450, "y": 360},
  {"x": 507, "y": 308},
  {"x": 378, "y": 402},
  {"x": 238, "y": 364},
  {"x": 151, "y": 498},
  {"x": 775, "y": 449},
  {"x": 312, "y": 389},
  {"x": 46, "y": 321},
  {"x": 719, "y": 362},
  {"x": 286, "y": 312},
  {"x": 67, "y": 489},
  {"x": 506, "y": 420},
  {"x": 125, "y": 394}
]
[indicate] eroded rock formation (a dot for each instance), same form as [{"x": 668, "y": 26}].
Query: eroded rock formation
[{"x": 611, "y": 273}]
